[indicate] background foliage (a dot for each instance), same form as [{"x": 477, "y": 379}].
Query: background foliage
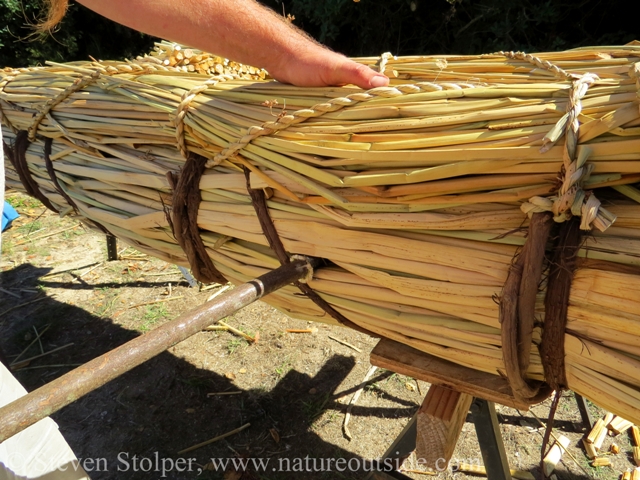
[
  {"x": 81, "y": 34},
  {"x": 362, "y": 28}
]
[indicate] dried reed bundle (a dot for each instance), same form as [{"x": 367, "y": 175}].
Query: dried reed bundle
[{"x": 412, "y": 192}]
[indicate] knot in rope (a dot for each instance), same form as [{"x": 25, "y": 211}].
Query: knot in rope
[{"x": 570, "y": 199}]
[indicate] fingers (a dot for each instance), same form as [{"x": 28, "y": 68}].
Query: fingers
[
  {"x": 350, "y": 72},
  {"x": 324, "y": 68}
]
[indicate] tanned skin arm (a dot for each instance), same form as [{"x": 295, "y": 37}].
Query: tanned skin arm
[{"x": 244, "y": 31}]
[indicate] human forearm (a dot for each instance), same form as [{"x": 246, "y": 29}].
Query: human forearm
[{"x": 241, "y": 30}]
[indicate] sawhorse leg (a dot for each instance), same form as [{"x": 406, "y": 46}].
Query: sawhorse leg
[
  {"x": 585, "y": 414},
  {"x": 400, "y": 449},
  {"x": 490, "y": 440},
  {"x": 112, "y": 248}
]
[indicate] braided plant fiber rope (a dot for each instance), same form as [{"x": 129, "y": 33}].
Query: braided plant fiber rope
[{"x": 411, "y": 193}]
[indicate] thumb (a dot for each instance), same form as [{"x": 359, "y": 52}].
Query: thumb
[{"x": 349, "y": 71}]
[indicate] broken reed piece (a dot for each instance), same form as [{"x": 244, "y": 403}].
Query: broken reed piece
[
  {"x": 481, "y": 470},
  {"x": 346, "y": 344},
  {"x": 635, "y": 434},
  {"x": 216, "y": 328},
  {"x": 354, "y": 399},
  {"x": 626, "y": 475},
  {"x": 615, "y": 449},
  {"x": 552, "y": 458},
  {"x": 601, "y": 462},
  {"x": 635, "y": 474},
  {"x": 589, "y": 449},
  {"x": 597, "y": 434},
  {"x": 240, "y": 333},
  {"x": 302, "y": 330},
  {"x": 636, "y": 455},
  {"x": 214, "y": 439},
  {"x": 619, "y": 425}
]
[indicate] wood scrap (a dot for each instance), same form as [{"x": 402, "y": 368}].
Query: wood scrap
[
  {"x": 595, "y": 431},
  {"x": 552, "y": 458},
  {"x": 635, "y": 435},
  {"x": 601, "y": 462},
  {"x": 589, "y": 449},
  {"x": 481, "y": 470},
  {"x": 619, "y": 425}
]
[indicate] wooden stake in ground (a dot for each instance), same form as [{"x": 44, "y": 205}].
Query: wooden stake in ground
[
  {"x": 555, "y": 454},
  {"x": 440, "y": 420}
]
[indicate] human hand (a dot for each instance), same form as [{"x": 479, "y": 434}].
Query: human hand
[{"x": 320, "y": 67}]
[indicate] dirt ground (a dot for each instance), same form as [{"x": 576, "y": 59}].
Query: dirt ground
[{"x": 292, "y": 388}]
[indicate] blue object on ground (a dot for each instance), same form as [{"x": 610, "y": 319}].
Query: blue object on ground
[{"x": 8, "y": 215}]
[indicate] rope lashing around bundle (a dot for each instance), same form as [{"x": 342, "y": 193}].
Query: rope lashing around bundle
[
  {"x": 259, "y": 202},
  {"x": 333, "y": 105},
  {"x": 183, "y": 219},
  {"x": 571, "y": 199},
  {"x": 77, "y": 85},
  {"x": 17, "y": 157},
  {"x": 518, "y": 298}
]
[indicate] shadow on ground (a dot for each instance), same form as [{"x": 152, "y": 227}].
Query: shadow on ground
[{"x": 126, "y": 428}]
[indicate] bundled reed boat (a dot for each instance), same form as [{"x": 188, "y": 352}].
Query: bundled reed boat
[{"x": 481, "y": 209}]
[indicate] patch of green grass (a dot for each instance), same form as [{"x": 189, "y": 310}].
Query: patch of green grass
[
  {"x": 23, "y": 202},
  {"x": 39, "y": 250},
  {"x": 235, "y": 343},
  {"x": 107, "y": 303},
  {"x": 30, "y": 227},
  {"x": 67, "y": 235},
  {"x": 152, "y": 315},
  {"x": 7, "y": 247}
]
